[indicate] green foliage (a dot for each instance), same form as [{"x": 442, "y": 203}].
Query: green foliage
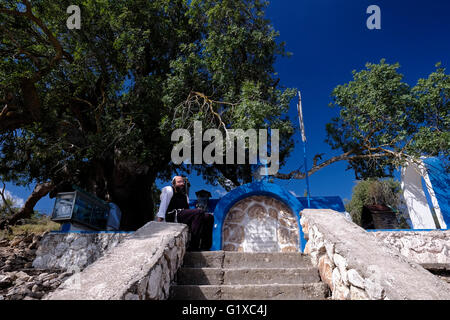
[
  {"x": 433, "y": 113},
  {"x": 382, "y": 115},
  {"x": 95, "y": 107},
  {"x": 373, "y": 191},
  {"x": 234, "y": 61},
  {"x": 36, "y": 223},
  {"x": 7, "y": 209}
]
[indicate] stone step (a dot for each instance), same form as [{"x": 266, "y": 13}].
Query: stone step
[
  {"x": 204, "y": 259},
  {"x": 218, "y": 276},
  {"x": 307, "y": 291},
  {"x": 229, "y": 259}
]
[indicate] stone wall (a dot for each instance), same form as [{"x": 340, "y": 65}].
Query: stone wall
[
  {"x": 260, "y": 224},
  {"x": 424, "y": 247},
  {"x": 18, "y": 280},
  {"x": 141, "y": 267},
  {"x": 74, "y": 251},
  {"x": 356, "y": 265}
]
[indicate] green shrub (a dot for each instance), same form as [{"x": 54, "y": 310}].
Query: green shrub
[{"x": 373, "y": 191}]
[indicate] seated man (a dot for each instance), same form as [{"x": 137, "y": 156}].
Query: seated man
[{"x": 175, "y": 208}]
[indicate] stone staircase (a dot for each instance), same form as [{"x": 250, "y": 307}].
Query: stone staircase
[{"x": 225, "y": 275}]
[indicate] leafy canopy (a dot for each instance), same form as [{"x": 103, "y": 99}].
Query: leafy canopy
[
  {"x": 384, "y": 121},
  {"x": 96, "y": 107}
]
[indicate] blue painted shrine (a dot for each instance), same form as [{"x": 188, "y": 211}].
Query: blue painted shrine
[{"x": 221, "y": 207}]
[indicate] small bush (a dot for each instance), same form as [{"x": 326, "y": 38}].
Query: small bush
[{"x": 374, "y": 191}]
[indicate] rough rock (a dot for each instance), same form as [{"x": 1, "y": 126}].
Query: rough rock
[
  {"x": 101, "y": 281},
  {"x": 326, "y": 270},
  {"x": 18, "y": 280},
  {"x": 387, "y": 272}
]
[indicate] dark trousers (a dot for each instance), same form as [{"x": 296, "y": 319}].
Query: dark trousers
[{"x": 200, "y": 225}]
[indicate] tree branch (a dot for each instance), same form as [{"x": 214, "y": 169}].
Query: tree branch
[
  {"x": 345, "y": 156},
  {"x": 40, "y": 191},
  {"x": 11, "y": 121},
  {"x": 5, "y": 202}
]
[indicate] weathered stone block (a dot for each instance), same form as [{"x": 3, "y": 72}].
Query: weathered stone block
[
  {"x": 357, "y": 294},
  {"x": 73, "y": 250},
  {"x": 154, "y": 282},
  {"x": 421, "y": 247},
  {"x": 131, "y": 296},
  {"x": 102, "y": 281},
  {"x": 235, "y": 215},
  {"x": 329, "y": 247},
  {"x": 374, "y": 290},
  {"x": 241, "y": 205},
  {"x": 339, "y": 290},
  {"x": 256, "y": 211},
  {"x": 229, "y": 247},
  {"x": 355, "y": 279},
  {"x": 336, "y": 279},
  {"x": 304, "y": 224},
  {"x": 341, "y": 293},
  {"x": 170, "y": 254},
  {"x": 142, "y": 288},
  {"x": 326, "y": 270},
  {"x": 79, "y": 243},
  {"x": 289, "y": 249},
  {"x": 284, "y": 212},
  {"x": 286, "y": 236},
  {"x": 236, "y": 234},
  {"x": 271, "y": 202},
  {"x": 288, "y": 223},
  {"x": 273, "y": 213},
  {"x": 340, "y": 261},
  {"x": 315, "y": 255},
  {"x": 307, "y": 249}
]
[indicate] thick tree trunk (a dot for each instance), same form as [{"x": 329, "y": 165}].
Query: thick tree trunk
[
  {"x": 130, "y": 189},
  {"x": 128, "y": 184},
  {"x": 40, "y": 191}
]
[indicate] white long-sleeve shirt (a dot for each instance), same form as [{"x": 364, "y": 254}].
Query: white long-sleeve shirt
[{"x": 165, "y": 197}]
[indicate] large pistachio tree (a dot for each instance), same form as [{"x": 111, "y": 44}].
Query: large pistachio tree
[{"x": 96, "y": 106}]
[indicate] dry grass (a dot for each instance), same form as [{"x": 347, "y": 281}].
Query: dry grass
[{"x": 31, "y": 226}]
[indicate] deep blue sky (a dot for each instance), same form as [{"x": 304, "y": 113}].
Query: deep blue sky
[{"x": 329, "y": 39}]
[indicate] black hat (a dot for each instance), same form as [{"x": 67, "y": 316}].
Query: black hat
[{"x": 203, "y": 194}]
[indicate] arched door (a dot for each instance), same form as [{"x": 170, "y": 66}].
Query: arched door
[{"x": 260, "y": 224}]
